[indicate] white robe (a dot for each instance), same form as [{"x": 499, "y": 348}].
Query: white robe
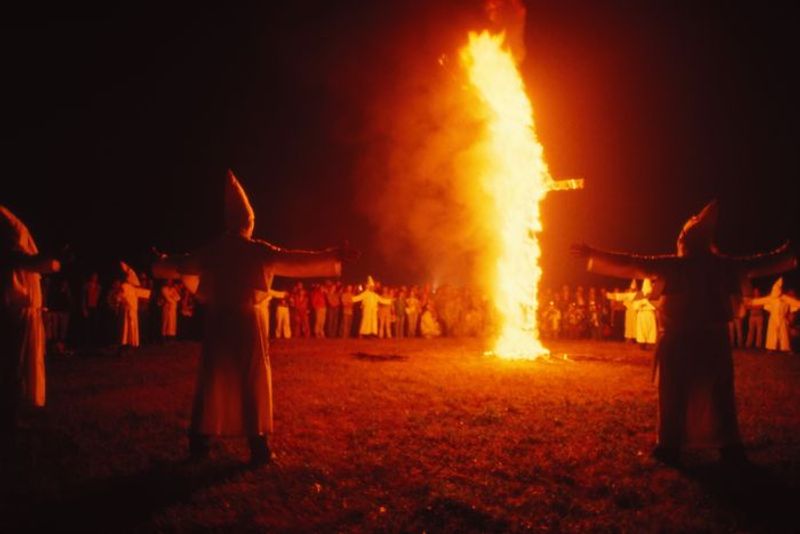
[
  {"x": 24, "y": 300},
  {"x": 646, "y": 329},
  {"x": 169, "y": 311},
  {"x": 129, "y": 298},
  {"x": 234, "y": 386},
  {"x": 779, "y": 307},
  {"x": 627, "y": 299},
  {"x": 369, "y": 311}
]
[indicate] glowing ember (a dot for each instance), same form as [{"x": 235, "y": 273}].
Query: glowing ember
[{"x": 515, "y": 176}]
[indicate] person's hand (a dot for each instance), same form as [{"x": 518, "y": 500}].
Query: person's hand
[
  {"x": 580, "y": 250},
  {"x": 346, "y": 253}
]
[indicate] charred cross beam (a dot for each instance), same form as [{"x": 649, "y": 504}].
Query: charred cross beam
[{"x": 568, "y": 184}]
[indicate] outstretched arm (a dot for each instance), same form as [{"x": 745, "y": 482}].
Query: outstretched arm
[
  {"x": 305, "y": 263},
  {"x": 770, "y": 263},
  {"x": 37, "y": 263},
  {"x": 622, "y": 265}
]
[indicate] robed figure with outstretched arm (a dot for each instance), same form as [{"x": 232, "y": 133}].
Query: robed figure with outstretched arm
[
  {"x": 233, "y": 395},
  {"x": 696, "y": 404},
  {"x": 22, "y": 343}
]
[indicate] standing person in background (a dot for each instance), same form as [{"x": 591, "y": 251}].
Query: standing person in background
[
  {"x": 696, "y": 401},
  {"x": 149, "y": 321},
  {"x": 413, "y": 308},
  {"x": 385, "y": 314},
  {"x": 755, "y": 322},
  {"x": 735, "y": 324},
  {"x": 320, "y": 308},
  {"x": 333, "y": 295},
  {"x": 646, "y": 328},
  {"x": 130, "y": 293},
  {"x": 400, "y": 313},
  {"x": 299, "y": 300},
  {"x": 22, "y": 370},
  {"x": 779, "y": 305},
  {"x": 282, "y": 328},
  {"x": 90, "y": 310},
  {"x": 187, "y": 324},
  {"x": 369, "y": 300},
  {"x": 346, "y": 329},
  {"x": 170, "y": 297},
  {"x": 59, "y": 305},
  {"x": 626, "y": 298}
]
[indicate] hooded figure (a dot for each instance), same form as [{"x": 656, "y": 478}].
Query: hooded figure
[
  {"x": 369, "y": 300},
  {"x": 627, "y": 299},
  {"x": 233, "y": 396},
  {"x": 696, "y": 404},
  {"x": 22, "y": 339},
  {"x": 646, "y": 328},
  {"x": 779, "y": 305},
  {"x": 130, "y": 293}
]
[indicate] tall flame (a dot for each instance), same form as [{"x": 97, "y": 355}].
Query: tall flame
[{"x": 516, "y": 178}]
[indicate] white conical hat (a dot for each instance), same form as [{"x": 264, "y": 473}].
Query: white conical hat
[
  {"x": 697, "y": 235},
  {"x": 777, "y": 288},
  {"x": 15, "y": 234},
  {"x": 647, "y": 287},
  {"x": 239, "y": 215},
  {"x": 130, "y": 274},
  {"x": 370, "y": 281}
]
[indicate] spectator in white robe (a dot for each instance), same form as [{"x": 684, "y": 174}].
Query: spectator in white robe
[
  {"x": 170, "y": 297},
  {"x": 627, "y": 298},
  {"x": 646, "y": 328},
  {"x": 131, "y": 291},
  {"x": 233, "y": 396},
  {"x": 696, "y": 402},
  {"x": 22, "y": 343},
  {"x": 369, "y": 300},
  {"x": 779, "y": 305}
]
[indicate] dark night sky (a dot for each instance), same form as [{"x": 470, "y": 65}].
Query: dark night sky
[{"x": 122, "y": 123}]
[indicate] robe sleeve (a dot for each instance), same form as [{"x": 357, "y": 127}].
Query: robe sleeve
[
  {"x": 36, "y": 263},
  {"x": 760, "y": 301},
  {"x": 174, "y": 267},
  {"x": 772, "y": 263},
  {"x": 275, "y": 294},
  {"x": 622, "y": 265},
  {"x": 359, "y": 297},
  {"x": 384, "y": 300},
  {"x": 300, "y": 263},
  {"x": 794, "y": 304}
]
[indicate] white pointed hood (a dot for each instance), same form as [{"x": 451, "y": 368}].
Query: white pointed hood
[
  {"x": 239, "y": 215},
  {"x": 777, "y": 288},
  {"x": 15, "y": 234},
  {"x": 697, "y": 236},
  {"x": 130, "y": 275}
]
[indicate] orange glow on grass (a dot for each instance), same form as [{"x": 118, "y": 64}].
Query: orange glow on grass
[{"x": 515, "y": 177}]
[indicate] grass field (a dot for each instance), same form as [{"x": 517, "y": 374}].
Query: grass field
[{"x": 400, "y": 436}]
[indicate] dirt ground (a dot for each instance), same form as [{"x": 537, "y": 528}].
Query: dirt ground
[{"x": 400, "y": 436}]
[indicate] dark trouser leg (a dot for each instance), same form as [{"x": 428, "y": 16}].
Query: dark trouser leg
[{"x": 259, "y": 449}]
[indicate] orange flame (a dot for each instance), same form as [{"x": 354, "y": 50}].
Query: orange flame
[{"x": 516, "y": 178}]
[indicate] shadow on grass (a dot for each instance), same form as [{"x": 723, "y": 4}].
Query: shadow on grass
[
  {"x": 449, "y": 515},
  {"x": 759, "y": 497},
  {"x": 363, "y": 356},
  {"x": 114, "y": 504}
]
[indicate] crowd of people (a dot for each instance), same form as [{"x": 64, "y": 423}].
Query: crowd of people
[{"x": 94, "y": 314}]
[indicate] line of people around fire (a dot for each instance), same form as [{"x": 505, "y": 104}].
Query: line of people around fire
[{"x": 134, "y": 309}]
